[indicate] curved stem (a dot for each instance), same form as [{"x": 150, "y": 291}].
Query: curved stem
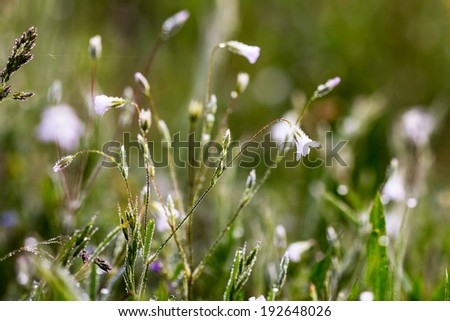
[
  {"x": 151, "y": 56},
  {"x": 210, "y": 72}
]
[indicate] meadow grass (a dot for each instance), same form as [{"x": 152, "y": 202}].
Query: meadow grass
[{"x": 153, "y": 250}]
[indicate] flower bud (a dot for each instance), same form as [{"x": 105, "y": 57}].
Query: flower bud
[
  {"x": 95, "y": 47},
  {"x": 63, "y": 162},
  {"x": 327, "y": 87},
  {"x": 241, "y": 84},
  {"x": 164, "y": 131},
  {"x": 195, "y": 109},
  {"x": 145, "y": 120},
  {"x": 142, "y": 82},
  {"x": 173, "y": 24}
]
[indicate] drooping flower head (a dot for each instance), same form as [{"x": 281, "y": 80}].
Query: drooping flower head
[
  {"x": 303, "y": 143},
  {"x": 251, "y": 53},
  {"x": 104, "y": 103}
]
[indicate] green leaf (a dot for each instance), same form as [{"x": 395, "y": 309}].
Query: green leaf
[
  {"x": 93, "y": 283},
  {"x": 240, "y": 273},
  {"x": 343, "y": 207},
  {"x": 229, "y": 291},
  {"x": 354, "y": 292},
  {"x": 60, "y": 283},
  {"x": 275, "y": 292},
  {"x": 148, "y": 239},
  {"x": 378, "y": 274},
  {"x": 319, "y": 276},
  {"x": 446, "y": 286}
]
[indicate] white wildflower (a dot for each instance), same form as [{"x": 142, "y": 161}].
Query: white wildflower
[
  {"x": 418, "y": 124},
  {"x": 260, "y": 298},
  {"x": 303, "y": 143},
  {"x": 366, "y": 296},
  {"x": 251, "y": 53},
  {"x": 282, "y": 132},
  {"x": 296, "y": 249},
  {"x": 104, "y": 103},
  {"x": 160, "y": 216},
  {"x": 394, "y": 189},
  {"x": 61, "y": 125},
  {"x": 95, "y": 47}
]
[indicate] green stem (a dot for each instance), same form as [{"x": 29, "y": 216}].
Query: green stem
[
  {"x": 152, "y": 55},
  {"x": 400, "y": 250},
  {"x": 191, "y": 185},
  {"x": 210, "y": 73},
  {"x": 203, "y": 195}
]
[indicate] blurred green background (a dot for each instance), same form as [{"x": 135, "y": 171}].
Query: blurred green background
[{"x": 391, "y": 56}]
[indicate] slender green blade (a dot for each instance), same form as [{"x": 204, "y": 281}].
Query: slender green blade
[
  {"x": 446, "y": 286},
  {"x": 319, "y": 275},
  {"x": 378, "y": 274}
]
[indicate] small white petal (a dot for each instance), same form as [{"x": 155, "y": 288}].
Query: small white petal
[{"x": 296, "y": 249}]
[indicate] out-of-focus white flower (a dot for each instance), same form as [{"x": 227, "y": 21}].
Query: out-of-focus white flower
[
  {"x": 280, "y": 237},
  {"x": 173, "y": 24},
  {"x": 393, "y": 223},
  {"x": 160, "y": 216},
  {"x": 303, "y": 143},
  {"x": 54, "y": 94},
  {"x": 282, "y": 131},
  {"x": 95, "y": 47},
  {"x": 61, "y": 125},
  {"x": 418, "y": 124},
  {"x": 366, "y": 296},
  {"x": 296, "y": 249},
  {"x": 104, "y": 103},
  {"x": 260, "y": 298},
  {"x": 394, "y": 189},
  {"x": 251, "y": 53}
]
